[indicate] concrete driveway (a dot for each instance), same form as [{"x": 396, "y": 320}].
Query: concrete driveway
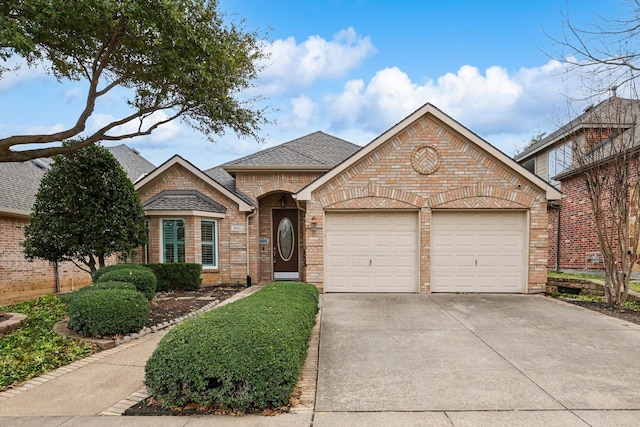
[{"x": 474, "y": 360}]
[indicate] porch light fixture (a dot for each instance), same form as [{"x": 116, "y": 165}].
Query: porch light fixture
[
  {"x": 283, "y": 202},
  {"x": 314, "y": 223}
]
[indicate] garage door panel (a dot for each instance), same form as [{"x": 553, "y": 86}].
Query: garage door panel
[
  {"x": 478, "y": 251},
  {"x": 380, "y": 249}
]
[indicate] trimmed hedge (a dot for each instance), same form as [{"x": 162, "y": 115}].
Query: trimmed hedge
[
  {"x": 66, "y": 298},
  {"x": 142, "y": 278},
  {"x": 108, "y": 311},
  {"x": 247, "y": 354},
  {"x": 177, "y": 275},
  {"x": 129, "y": 266}
]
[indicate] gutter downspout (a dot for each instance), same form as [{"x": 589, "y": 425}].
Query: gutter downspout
[
  {"x": 252, "y": 214},
  {"x": 558, "y": 208}
]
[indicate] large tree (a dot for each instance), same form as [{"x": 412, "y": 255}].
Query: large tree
[
  {"x": 176, "y": 57},
  {"x": 86, "y": 209}
]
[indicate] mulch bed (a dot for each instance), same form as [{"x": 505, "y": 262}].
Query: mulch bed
[
  {"x": 622, "y": 313},
  {"x": 170, "y": 305}
]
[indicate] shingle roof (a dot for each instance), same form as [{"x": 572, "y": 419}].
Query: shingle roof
[
  {"x": 19, "y": 182},
  {"x": 597, "y": 116},
  {"x": 225, "y": 179},
  {"x": 317, "y": 150},
  {"x": 132, "y": 162},
  {"x": 183, "y": 200}
]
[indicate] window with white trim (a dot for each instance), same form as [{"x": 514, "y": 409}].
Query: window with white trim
[
  {"x": 173, "y": 240},
  {"x": 209, "y": 242}
]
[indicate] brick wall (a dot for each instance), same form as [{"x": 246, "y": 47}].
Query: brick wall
[
  {"x": 21, "y": 280},
  {"x": 466, "y": 178},
  {"x": 232, "y": 247}
]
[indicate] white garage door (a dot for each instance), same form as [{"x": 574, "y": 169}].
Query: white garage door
[
  {"x": 478, "y": 251},
  {"x": 371, "y": 252}
]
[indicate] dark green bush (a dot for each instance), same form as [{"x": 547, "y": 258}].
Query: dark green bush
[
  {"x": 143, "y": 279},
  {"x": 247, "y": 354},
  {"x": 96, "y": 274},
  {"x": 113, "y": 285},
  {"x": 108, "y": 311},
  {"x": 177, "y": 275},
  {"x": 66, "y": 298}
]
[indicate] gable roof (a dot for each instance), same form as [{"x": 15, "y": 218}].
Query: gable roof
[
  {"x": 551, "y": 192},
  {"x": 243, "y": 205},
  {"x": 19, "y": 181},
  {"x": 183, "y": 200},
  {"x": 602, "y": 115},
  {"x": 317, "y": 151}
]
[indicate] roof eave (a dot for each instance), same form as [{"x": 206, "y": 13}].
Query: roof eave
[
  {"x": 233, "y": 169},
  {"x": 181, "y": 213},
  {"x": 17, "y": 213}
]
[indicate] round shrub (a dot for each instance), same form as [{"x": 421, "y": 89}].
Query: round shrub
[
  {"x": 129, "y": 266},
  {"x": 142, "y": 278},
  {"x": 113, "y": 285},
  {"x": 108, "y": 311},
  {"x": 66, "y": 298}
]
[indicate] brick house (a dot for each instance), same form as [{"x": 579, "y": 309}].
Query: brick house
[
  {"x": 573, "y": 242},
  {"x": 20, "y": 279},
  {"x": 428, "y": 206},
  {"x": 223, "y": 217}
]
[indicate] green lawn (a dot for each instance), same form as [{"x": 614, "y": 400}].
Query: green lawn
[{"x": 35, "y": 348}]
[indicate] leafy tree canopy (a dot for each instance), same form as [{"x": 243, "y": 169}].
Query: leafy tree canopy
[
  {"x": 178, "y": 57},
  {"x": 85, "y": 210}
]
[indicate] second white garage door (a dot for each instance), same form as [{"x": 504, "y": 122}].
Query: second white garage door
[
  {"x": 482, "y": 251},
  {"x": 371, "y": 252}
]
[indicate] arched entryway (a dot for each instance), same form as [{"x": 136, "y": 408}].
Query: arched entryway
[{"x": 281, "y": 253}]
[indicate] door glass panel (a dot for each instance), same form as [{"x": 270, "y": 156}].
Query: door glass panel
[{"x": 286, "y": 239}]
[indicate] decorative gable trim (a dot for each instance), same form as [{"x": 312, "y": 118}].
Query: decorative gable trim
[
  {"x": 428, "y": 109},
  {"x": 177, "y": 160}
]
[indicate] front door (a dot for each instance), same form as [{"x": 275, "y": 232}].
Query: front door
[{"x": 285, "y": 244}]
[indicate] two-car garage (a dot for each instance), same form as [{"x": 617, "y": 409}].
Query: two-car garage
[{"x": 470, "y": 251}]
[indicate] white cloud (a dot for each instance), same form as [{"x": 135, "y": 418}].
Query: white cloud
[
  {"x": 72, "y": 94},
  {"x": 304, "y": 112},
  {"x": 493, "y": 102},
  {"x": 19, "y": 71},
  {"x": 292, "y": 66}
]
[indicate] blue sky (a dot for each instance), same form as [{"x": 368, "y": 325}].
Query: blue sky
[{"x": 355, "y": 68}]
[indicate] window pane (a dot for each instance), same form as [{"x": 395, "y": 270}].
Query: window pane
[
  {"x": 169, "y": 252},
  {"x": 173, "y": 240},
  {"x": 207, "y": 232},
  {"x": 209, "y": 244},
  {"x": 207, "y": 255}
]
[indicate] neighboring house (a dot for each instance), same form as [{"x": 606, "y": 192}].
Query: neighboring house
[
  {"x": 19, "y": 182},
  {"x": 428, "y": 206},
  {"x": 573, "y": 243}
]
